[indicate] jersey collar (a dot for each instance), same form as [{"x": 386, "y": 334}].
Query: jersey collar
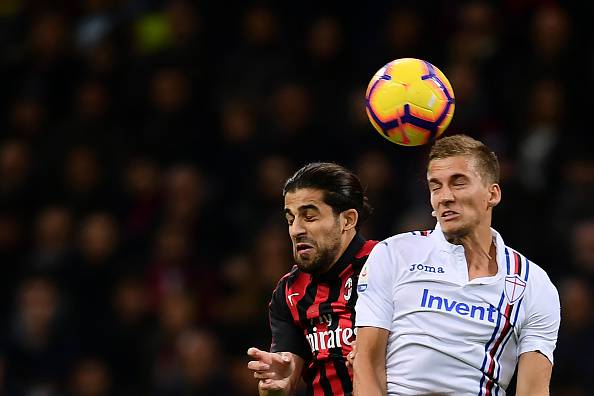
[
  {"x": 451, "y": 248},
  {"x": 346, "y": 259}
]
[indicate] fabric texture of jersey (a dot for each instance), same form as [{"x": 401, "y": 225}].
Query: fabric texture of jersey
[
  {"x": 313, "y": 316},
  {"x": 449, "y": 335}
]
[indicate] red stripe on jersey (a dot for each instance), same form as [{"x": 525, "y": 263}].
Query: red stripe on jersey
[
  {"x": 518, "y": 263},
  {"x": 321, "y": 295},
  {"x": 334, "y": 380},
  {"x": 295, "y": 292},
  {"x": 313, "y": 312},
  {"x": 366, "y": 249},
  {"x": 317, "y": 389}
]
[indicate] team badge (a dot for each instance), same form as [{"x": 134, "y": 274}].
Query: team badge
[
  {"x": 348, "y": 289},
  {"x": 514, "y": 288},
  {"x": 363, "y": 278}
]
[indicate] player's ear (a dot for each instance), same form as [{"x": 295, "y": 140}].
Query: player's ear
[
  {"x": 349, "y": 219},
  {"x": 494, "y": 195}
]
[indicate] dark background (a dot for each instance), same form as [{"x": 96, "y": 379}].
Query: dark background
[{"x": 144, "y": 144}]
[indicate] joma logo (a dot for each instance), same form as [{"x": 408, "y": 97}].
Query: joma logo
[{"x": 426, "y": 268}]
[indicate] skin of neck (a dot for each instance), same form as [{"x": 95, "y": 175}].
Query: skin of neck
[
  {"x": 477, "y": 246},
  {"x": 346, "y": 238}
]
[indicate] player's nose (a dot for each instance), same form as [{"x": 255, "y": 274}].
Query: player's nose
[
  {"x": 296, "y": 229},
  {"x": 445, "y": 195}
]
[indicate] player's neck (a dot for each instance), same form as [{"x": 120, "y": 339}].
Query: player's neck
[
  {"x": 480, "y": 253},
  {"x": 346, "y": 239}
]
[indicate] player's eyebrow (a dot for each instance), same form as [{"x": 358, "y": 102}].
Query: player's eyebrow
[
  {"x": 302, "y": 208},
  {"x": 455, "y": 176}
]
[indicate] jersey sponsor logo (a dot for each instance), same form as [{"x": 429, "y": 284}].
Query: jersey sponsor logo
[
  {"x": 514, "y": 288},
  {"x": 320, "y": 340},
  {"x": 324, "y": 318},
  {"x": 481, "y": 312},
  {"x": 426, "y": 268},
  {"x": 363, "y": 279},
  {"x": 348, "y": 289}
]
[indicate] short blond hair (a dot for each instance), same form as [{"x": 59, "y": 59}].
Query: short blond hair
[{"x": 486, "y": 161}]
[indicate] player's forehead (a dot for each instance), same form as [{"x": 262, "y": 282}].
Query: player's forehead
[
  {"x": 445, "y": 168},
  {"x": 305, "y": 197}
]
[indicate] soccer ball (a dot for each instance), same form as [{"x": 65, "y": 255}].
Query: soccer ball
[{"x": 410, "y": 102}]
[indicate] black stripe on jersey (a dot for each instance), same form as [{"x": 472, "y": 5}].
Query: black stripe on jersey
[
  {"x": 343, "y": 374},
  {"x": 324, "y": 381},
  {"x": 357, "y": 266}
]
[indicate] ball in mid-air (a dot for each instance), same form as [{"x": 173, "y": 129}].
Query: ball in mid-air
[{"x": 410, "y": 102}]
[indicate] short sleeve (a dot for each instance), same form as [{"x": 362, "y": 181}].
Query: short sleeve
[
  {"x": 543, "y": 317},
  {"x": 286, "y": 335},
  {"x": 375, "y": 305}
]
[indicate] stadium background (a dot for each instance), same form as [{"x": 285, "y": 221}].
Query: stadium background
[{"x": 143, "y": 146}]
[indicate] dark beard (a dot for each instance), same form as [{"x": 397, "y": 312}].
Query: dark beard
[{"x": 321, "y": 263}]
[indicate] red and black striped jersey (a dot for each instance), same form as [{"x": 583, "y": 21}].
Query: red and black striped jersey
[{"x": 313, "y": 316}]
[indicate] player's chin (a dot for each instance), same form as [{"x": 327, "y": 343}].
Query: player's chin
[
  {"x": 454, "y": 230},
  {"x": 308, "y": 265}
]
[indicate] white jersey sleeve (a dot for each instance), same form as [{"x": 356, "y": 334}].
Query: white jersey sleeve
[
  {"x": 543, "y": 317},
  {"x": 375, "y": 304}
]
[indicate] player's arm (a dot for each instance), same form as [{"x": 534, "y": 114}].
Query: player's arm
[
  {"x": 538, "y": 337},
  {"x": 278, "y": 373},
  {"x": 534, "y": 374},
  {"x": 369, "y": 366},
  {"x": 280, "y": 369}
]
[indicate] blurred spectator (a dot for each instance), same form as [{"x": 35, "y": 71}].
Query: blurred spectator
[
  {"x": 84, "y": 185},
  {"x": 540, "y": 143},
  {"x": 28, "y": 119},
  {"x": 260, "y": 56},
  {"x": 380, "y": 182},
  {"x": 402, "y": 34},
  {"x": 476, "y": 39},
  {"x": 130, "y": 333},
  {"x": 140, "y": 203},
  {"x": 94, "y": 276},
  {"x": 191, "y": 375},
  {"x": 90, "y": 377},
  {"x": 52, "y": 251},
  {"x": 573, "y": 370},
  {"x": 39, "y": 347},
  {"x": 16, "y": 171},
  {"x": 583, "y": 247}
]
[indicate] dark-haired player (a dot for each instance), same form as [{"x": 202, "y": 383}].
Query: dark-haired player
[{"x": 312, "y": 309}]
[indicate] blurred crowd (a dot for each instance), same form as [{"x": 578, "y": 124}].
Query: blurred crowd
[{"x": 144, "y": 144}]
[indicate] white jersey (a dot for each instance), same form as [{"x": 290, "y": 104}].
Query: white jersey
[{"x": 449, "y": 335}]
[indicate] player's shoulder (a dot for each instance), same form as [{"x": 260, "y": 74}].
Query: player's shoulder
[
  {"x": 366, "y": 249},
  {"x": 539, "y": 293},
  {"x": 290, "y": 276},
  {"x": 409, "y": 241},
  {"x": 531, "y": 272}
]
